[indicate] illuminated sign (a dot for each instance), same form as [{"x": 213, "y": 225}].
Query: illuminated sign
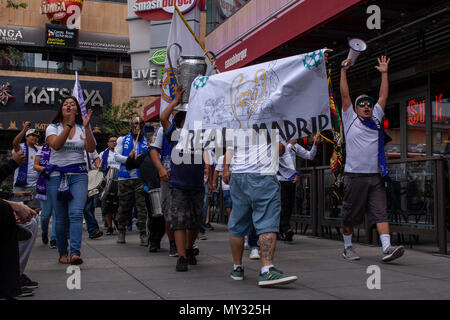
[
  {"x": 154, "y": 10},
  {"x": 61, "y": 36},
  {"x": 416, "y": 110}
]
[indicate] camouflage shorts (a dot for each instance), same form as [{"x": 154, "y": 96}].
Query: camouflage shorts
[{"x": 186, "y": 209}]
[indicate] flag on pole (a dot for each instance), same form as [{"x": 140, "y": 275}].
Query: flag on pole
[
  {"x": 181, "y": 33},
  {"x": 77, "y": 92},
  {"x": 337, "y": 159}
]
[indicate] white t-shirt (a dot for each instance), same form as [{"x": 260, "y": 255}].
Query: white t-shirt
[
  {"x": 32, "y": 175},
  {"x": 73, "y": 150},
  {"x": 287, "y": 160},
  {"x": 219, "y": 168},
  {"x": 122, "y": 159},
  {"x": 157, "y": 142},
  {"x": 111, "y": 162},
  {"x": 254, "y": 156},
  {"x": 361, "y": 142}
]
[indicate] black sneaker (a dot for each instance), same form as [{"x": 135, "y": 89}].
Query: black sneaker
[
  {"x": 26, "y": 282},
  {"x": 289, "y": 235},
  {"x": 45, "y": 238},
  {"x": 153, "y": 247},
  {"x": 25, "y": 292},
  {"x": 110, "y": 231},
  {"x": 52, "y": 244},
  {"x": 209, "y": 227},
  {"x": 96, "y": 234},
  {"x": 182, "y": 264},
  {"x": 190, "y": 254},
  {"x": 173, "y": 249}
]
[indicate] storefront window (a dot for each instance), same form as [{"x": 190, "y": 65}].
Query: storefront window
[
  {"x": 391, "y": 124},
  {"x": 85, "y": 64},
  {"x": 440, "y": 94},
  {"x": 108, "y": 65}
]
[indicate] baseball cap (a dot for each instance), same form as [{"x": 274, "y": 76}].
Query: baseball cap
[
  {"x": 32, "y": 131},
  {"x": 362, "y": 98}
]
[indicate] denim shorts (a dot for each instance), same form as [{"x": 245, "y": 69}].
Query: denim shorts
[
  {"x": 256, "y": 198},
  {"x": 227, "y": 199}
]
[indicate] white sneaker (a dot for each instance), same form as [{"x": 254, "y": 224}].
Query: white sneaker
[{"x": 254, "y": 254}]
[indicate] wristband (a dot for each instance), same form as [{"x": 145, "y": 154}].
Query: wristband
[{"x": 69, "y": 125}]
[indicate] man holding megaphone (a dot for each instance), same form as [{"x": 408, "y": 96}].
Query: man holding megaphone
[{"x": 365, "y": 169}]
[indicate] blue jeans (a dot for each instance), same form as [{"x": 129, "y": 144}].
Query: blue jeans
[
  {"x": 47, "y": 212},
  {"x": 71, "y": 211},
  {"x": 89, "y": 215}
]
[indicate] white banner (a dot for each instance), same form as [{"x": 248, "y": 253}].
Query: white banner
[{"x": 289, "y": 94}]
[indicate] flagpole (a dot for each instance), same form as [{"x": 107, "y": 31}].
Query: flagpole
[{"x": 195, "y": 37}]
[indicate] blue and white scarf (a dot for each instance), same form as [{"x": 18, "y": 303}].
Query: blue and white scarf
[
  {"x": 383, "y": 139},
  {"x": 41, "y": 185},
  {"x": 127, "y": 147},
  {"x": 105, "y": 156},
  {"x": 22, "y": 175},
  {"x": 64, "y": 193}
]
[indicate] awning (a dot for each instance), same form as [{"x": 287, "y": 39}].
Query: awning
[{"x": 298, "y": 19}]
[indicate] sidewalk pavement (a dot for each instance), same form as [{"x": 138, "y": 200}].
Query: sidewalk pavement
[{"x": 129, "y": 271}]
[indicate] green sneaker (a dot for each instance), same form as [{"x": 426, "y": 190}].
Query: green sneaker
[
  {"x": 238, "y": 274},
  {"x": 274, "y": 277}
]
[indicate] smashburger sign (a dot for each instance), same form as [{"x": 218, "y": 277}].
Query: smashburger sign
[{"x": 162, "y": 9}]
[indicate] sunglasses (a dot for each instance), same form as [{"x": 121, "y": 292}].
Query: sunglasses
[{"x": 365, "y": 104}]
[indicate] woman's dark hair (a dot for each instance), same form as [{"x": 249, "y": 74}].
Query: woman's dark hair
[
  {"x": 179, "y": 118},
  {"x": 59, "y": 116}
]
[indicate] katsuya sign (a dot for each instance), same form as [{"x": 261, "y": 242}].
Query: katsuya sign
[{"x": 156, "y": 10}]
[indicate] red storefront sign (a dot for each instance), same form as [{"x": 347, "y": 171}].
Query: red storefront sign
[
  {"x": 294, "y": 21},
  {"x": 152, "y": 110},
  {"x": 157, "y": 10}
]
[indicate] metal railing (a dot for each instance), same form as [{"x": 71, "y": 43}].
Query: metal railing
[{"x": 417, "y": 202}]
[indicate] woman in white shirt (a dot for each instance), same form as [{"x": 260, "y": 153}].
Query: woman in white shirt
[{"x": 69, "y": 136}]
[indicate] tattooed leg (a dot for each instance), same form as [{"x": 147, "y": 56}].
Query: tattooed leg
[{"x": 267, "y": 243}]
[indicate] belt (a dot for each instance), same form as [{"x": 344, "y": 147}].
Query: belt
[{"x": 350, "y": 174}]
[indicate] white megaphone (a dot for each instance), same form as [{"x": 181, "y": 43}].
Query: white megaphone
[{"x": 356, "y": 47}]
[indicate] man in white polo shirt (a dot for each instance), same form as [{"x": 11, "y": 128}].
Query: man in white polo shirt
[{"x": 365, "y": 164}]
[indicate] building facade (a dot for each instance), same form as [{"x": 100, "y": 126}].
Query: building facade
[{"x": 41, "y": 48}]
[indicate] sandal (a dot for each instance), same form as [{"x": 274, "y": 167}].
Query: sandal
[
  {"x": 76, "y": 260},
  {"x": 64, "y": 259}
]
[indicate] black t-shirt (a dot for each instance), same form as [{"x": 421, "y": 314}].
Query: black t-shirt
[{"x": 187, "y": 176}]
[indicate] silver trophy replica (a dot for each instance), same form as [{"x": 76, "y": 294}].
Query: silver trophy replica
[
  {"x": 356, "y": 47},
  {"x": 188, "y": 68}
]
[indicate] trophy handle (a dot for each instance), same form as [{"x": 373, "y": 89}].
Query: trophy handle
[
  {"x": 170, "y": 60},
  {"x": 213, "y": 56}
]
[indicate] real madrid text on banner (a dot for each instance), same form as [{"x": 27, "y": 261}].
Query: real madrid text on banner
[
  {"x": 180, "y": 34},
  {"x": 289, "y": 94}
]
